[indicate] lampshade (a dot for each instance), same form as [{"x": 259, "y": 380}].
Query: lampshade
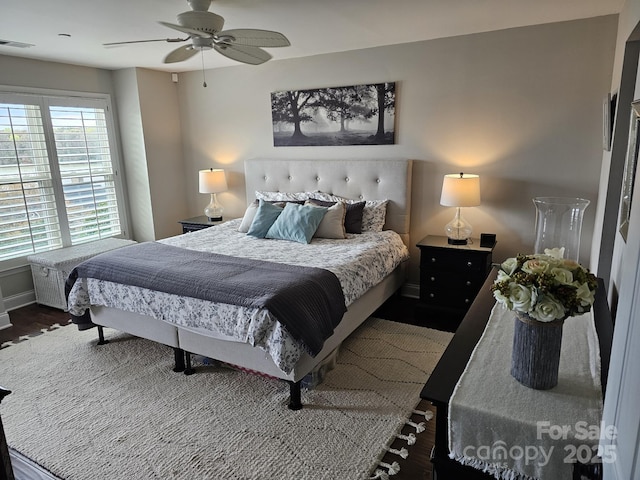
[
  {"x": 460, "y": 190},
  {"x": 212, "y": 180}
]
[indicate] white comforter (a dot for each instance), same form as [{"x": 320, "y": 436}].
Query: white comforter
[{"x": 359, "y": 261}]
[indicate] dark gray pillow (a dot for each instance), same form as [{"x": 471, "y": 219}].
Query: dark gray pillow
[{"x": 353, "y": 216}]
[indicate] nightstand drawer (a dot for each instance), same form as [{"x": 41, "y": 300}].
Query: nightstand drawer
[
  {"x": 445, "y": 297},
  {"x": 469, "y": 281},
  {"x": 458, "y": 260}
]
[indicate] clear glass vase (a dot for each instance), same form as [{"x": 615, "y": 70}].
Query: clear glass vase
[{"x": 559, "y": 224}]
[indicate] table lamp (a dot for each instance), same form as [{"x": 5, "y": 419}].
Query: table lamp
[
  {"x": 213, "y": 181},
  {"x": 459, "y": 190}
]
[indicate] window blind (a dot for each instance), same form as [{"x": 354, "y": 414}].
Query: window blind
[{"x": 58, "y": 178}]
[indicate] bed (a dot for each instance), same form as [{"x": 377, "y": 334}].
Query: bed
[{"x": 259, "y": 345}]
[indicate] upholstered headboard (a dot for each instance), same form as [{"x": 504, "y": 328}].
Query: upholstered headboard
[{"x": 355, "y": 179}]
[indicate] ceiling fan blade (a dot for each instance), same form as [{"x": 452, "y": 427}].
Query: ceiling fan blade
[
  {"x": 170, "y": 40},
  {"x": 243, "y": 53},
  {"x": 190, "y": 31},
  {"x": 179, "y": 54},
  {"x": 255, "y": 38}
]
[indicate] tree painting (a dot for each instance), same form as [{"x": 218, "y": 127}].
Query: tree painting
[{"x": 354, "y": 115}]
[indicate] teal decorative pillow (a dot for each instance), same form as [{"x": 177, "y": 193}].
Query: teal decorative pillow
[
  {"x": 297, "y": 223},
  {"x": 266, "y": 215}
]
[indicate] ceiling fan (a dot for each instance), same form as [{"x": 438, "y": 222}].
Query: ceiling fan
[{"x": 204, "y": 29}]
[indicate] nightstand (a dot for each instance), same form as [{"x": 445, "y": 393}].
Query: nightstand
[
  {"x": 450, "y": 277},
  {"x": 197, "y": 223}
]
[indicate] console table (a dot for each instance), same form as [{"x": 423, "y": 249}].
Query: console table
[
  {"x": 445, "y": 376},
  {"x": 6, "y": 472}
]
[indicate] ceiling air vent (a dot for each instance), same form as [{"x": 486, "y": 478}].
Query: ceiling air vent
[{"x": 9, "y": 43}]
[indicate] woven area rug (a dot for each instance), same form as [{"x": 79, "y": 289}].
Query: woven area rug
[{"x": 117, "y": 411}]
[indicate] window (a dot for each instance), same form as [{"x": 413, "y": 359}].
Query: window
[{"x": 59, "y": 184}]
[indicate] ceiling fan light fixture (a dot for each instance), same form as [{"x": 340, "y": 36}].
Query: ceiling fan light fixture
[
  {"x": 202, "y": 43},
  {"x": 204, "y": 29},
  {"x": 206, "y": 22}
]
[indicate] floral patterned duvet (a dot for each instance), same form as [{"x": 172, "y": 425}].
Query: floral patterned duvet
[{"x": 359, "y": 261}]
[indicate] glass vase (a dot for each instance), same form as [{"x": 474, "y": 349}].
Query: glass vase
[{"x": 559, "y": 224}]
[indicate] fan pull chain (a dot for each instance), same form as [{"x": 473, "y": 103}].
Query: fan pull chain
[{"x": 204, "y": 80}]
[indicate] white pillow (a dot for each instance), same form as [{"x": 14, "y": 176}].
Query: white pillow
[
  {"x": 332, "y": 224},
  {"x": 249, "y": 215},
  {"x": 282, "y": 196},
  {"x": 373, "y": 216}
]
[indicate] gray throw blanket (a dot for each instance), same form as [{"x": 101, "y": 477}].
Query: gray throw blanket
[{"x": 307, "y": 301}]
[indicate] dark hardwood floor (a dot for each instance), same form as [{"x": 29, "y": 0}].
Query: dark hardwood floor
[{"x": 33, "y": 319}]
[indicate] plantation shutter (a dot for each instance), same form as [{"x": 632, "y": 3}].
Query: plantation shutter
[
  {"x": 58, "y": 180},
  {"x": 28, "y": 215},
  {"x": 86, "y": 171}
]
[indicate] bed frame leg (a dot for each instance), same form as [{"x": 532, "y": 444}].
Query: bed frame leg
[
  {"x": 178, "y": 355},
  {"x": 101, "y": 340},
  {"x": 295, "y": 396},
  {"x": 188, "y": 368}
]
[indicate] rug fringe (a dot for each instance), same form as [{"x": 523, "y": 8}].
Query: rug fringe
[
  {"x": 428, "y": 415},
  {"x": 394, "y": 467},
  {"x": 411, "y": 438},
  {"x": 420, "y": 427}
]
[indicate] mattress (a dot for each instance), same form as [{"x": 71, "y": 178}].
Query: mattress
[{"x": 359, "y": 262}]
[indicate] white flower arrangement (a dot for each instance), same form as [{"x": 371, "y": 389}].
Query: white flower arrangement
[{"x": 546, "y": 287}]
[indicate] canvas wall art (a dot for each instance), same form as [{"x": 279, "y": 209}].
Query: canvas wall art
[{"x": 353, "y": 115}]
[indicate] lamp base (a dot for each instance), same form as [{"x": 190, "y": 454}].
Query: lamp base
[
  {"x": 457, "y": 230},
  {"x": 213, "y": 211},
  {"x": 456, "y": 241}
]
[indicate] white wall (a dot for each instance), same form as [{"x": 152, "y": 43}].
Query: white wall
[
  {"x": 163, "y": 145},
  {"x": 520, "y": 107},
  {"x": 152, "y": 150},
  {"x": 134, "y": 155}
]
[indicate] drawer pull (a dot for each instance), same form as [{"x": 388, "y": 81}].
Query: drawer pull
[
  {"x": 433, "y": 259},
  {"x": 432, "y": 295},
  {"x": 466, "y": 300},
  {"x": 468, "y": 283},
  {"x": 469, "y": 264},
  {"x": 433, "y": 279}
]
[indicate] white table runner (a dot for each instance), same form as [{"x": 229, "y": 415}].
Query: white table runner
[{"x": 502, "y": 427}]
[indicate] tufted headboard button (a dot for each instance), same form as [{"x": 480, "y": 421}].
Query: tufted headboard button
[
  {"x": 317, "y": 179},
  {"x": 377, "y": 180},
  {"x": 346, "y": 179}
]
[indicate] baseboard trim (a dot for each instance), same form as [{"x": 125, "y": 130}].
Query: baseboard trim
[
  {"x": 19, "y": 300},
  {"x": 5, "y": 321},
  {"x": 411, "y": 290}
]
